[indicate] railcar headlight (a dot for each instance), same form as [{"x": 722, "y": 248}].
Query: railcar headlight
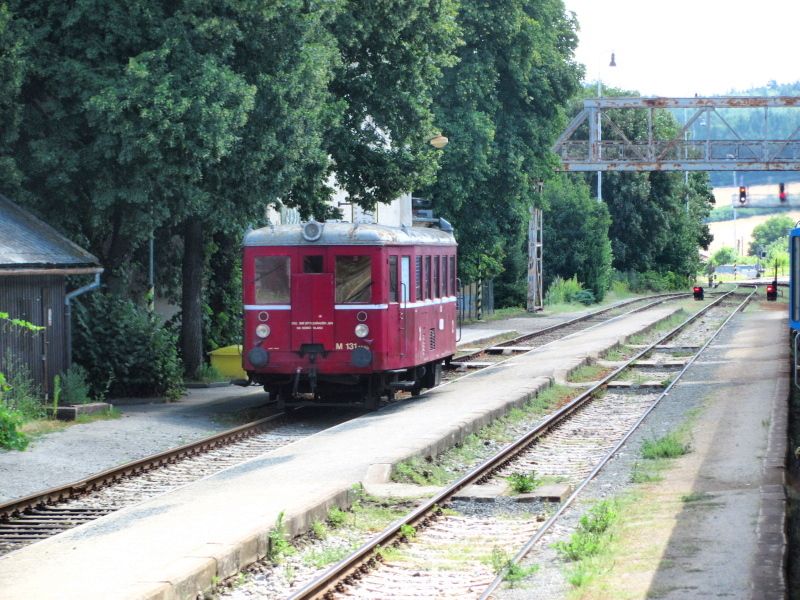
[
  {"x": 262, "y": 330},
  {"x": 362, "y": 330}
]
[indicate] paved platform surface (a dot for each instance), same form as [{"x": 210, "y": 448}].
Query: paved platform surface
[
  {"x": 172, "y": 546},
  {"x": 731, "y": 543}
]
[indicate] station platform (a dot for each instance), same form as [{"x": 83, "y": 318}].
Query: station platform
[{"x": 175, "y": 545}]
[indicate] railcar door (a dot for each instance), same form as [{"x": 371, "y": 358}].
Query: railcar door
[{"x": 312, "y": 312}]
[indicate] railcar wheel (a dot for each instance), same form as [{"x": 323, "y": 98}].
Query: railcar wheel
[{"x": 372, "y": 393}]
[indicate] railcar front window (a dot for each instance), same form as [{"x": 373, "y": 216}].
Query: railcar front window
[
  {"x": 353, "y": 279},
  {"x": 312, "y": 264},
  {"x": 272, "y": 279}
]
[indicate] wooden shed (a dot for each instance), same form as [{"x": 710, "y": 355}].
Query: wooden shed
[{"x": 35, "y": 261}]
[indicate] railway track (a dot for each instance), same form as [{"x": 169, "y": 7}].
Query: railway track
[
  {"x": 572, "y": 445},
  {"x": 47, "y": 513},
  {"x": 482, "y": 357}
]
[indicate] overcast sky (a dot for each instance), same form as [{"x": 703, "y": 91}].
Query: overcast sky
[{"x": 683, "y": 47}]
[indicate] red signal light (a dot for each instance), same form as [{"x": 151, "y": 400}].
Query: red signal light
[
  {"x": 742, "y": 194},
  {"x": 772, "y": 292}
]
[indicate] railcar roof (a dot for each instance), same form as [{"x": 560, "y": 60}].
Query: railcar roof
[{"x": 347, "y": 234}]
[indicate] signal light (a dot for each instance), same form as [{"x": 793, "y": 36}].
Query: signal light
[
  {"x": 782, "y": 192},
  {"x": 742, "y": 194},
  {"x": 772, "y": 292},
  {"x": 697, "y": 291}
]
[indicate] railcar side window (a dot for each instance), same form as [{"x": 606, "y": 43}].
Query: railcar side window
[
  {"x": 427, "y": 280},
  {"x": 392, "y": 279},
  {"x": 312, "y": 264},
  {"x": 444, "y": 277},
  {"x": 418, "y": 287},
  {"x": 272, "y": 279},
  {"x": 453, "y": 289},
  {"x": 436, "y": 291},
  {"x": 353, "y": 279}
]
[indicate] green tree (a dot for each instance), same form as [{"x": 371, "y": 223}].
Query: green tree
[
  {"x": 657, "y": 219},
  {"x": 575, "y": 232},
  {"x": 13, "y": 65},
  {"x": 775, "y": 229},
  {"x": 188, "y": 117},
  {"x": 502, "y": 106},
  {"x": 392, "y": 55},
  {"x": 724, "y": 256}
]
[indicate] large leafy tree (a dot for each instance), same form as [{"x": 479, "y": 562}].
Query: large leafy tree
[
  {"x": 656, "y": 218},
  {"x": 575, "y": 231},
  {"x": 13, "y": 64},
  {"x": 392, "y": 56},
  {"x": 501, "y": 106},
  {"x": 771, "y": 232},
  {"x": 186, "y": 116}
]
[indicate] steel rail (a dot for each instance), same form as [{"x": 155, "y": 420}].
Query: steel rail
[
  {"x": 99, "y": 480},
  {"x": 535, "y": 334},
  {"x": 517, "y": 558},
  {"x": 77, "y": 488},
  {"x": 366, "y": 556}
]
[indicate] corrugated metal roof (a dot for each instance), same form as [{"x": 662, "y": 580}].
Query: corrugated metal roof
[
  {"x": 345, "y": 234},
  {"x": 26, "y": 241}
]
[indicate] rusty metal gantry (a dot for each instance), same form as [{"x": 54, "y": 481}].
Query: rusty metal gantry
[{"x": 679, "y": 153}]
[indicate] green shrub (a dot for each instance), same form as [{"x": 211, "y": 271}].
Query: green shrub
[
  {"x": 562, "y": 290},
  {"x": 22, "y": 395},
  {"x": 125, "y": 349},
  {"x": 653, "y": 281},
  {"x": 585, "y": 297},
  {"x": 11, "y": 437},
  {"x": 523, "y": 483},
  {"x": 669, "y": 446},
  {"x": 74, "y": 386}
]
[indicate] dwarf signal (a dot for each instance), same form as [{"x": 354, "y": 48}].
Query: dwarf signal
[
  {"x": 697, "y": 291},
  {"x": 772, "y": 291}
]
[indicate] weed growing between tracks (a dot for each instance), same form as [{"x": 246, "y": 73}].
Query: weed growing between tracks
[{"x": 451, "y": 464}]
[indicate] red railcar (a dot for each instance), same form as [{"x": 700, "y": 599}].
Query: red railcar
[{"x": 343, "y": 312}]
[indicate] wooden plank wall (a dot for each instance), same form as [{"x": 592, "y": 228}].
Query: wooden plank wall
[{"x": 40, "y": 300}]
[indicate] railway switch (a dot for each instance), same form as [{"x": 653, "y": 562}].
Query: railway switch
[{"x": 698, "y": 292}]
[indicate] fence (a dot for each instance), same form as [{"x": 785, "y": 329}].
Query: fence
[{"x": 474, "y": 305}]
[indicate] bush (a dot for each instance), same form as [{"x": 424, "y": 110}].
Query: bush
[
  {"x": 74, "y": 386},
  {"x": 23, "y": 396},
  {"x": 125, "y": 350},
  {"x": 585, "y": 297},
  {"x": 562, "y": 290},
  {"x": 653, "y": 281},
  {"x": 10, "y": 436}
]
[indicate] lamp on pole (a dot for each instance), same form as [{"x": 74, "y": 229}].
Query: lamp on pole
[{"x": 613, "y": 63}]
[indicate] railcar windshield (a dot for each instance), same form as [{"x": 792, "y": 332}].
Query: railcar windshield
[
  {"x": 272, "y": 279},
  {"x": 353, "y": 279}
]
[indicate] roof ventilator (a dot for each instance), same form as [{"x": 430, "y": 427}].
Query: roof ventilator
[{"x": 312, "y": 231}]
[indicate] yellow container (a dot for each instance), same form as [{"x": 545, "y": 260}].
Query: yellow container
[{"x": 228, "y": 362}]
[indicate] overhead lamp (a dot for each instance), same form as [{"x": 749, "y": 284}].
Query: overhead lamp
[{"x": 438, "y": 141}]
